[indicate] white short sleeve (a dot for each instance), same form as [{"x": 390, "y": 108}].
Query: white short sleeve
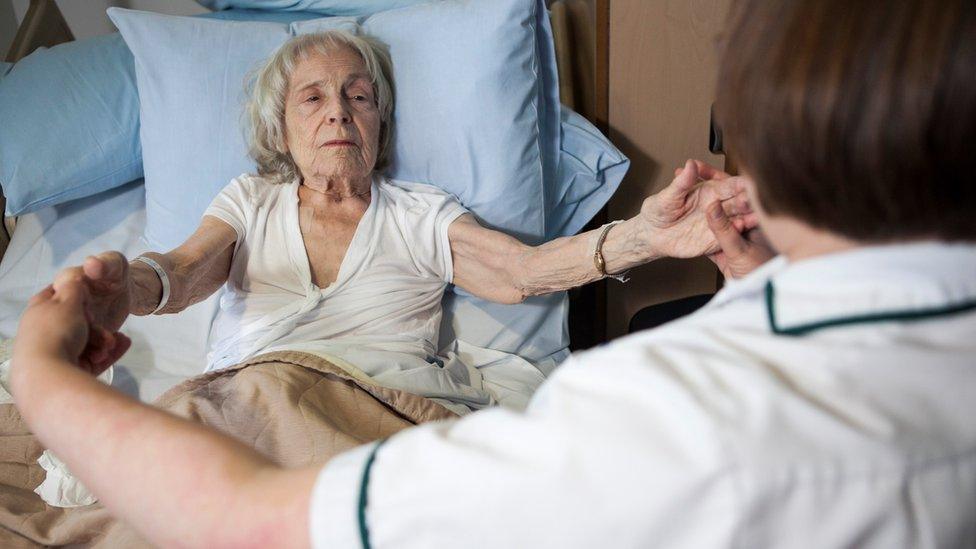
[
  {"x": 426, "y": 213},
  {"x": 334, "y": 519},
  {"x": 234, "y": 205},
  {"x": 575, "y": 470}
]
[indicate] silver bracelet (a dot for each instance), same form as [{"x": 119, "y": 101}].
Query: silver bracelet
[
  {"x": 598, "y": 260},
  {"x": 163, "y": 278}
]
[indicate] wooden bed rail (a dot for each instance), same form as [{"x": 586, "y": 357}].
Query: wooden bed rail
[{"x": 43, "y": 26}]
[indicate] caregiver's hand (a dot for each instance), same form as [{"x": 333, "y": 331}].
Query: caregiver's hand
[
  {"x": 675, "y": 217},
  {"x": 740, "y": 253},
  {"x": 56, "y": 328}
]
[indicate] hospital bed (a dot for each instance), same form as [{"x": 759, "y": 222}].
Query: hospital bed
[{"x": 168, "y": 349}]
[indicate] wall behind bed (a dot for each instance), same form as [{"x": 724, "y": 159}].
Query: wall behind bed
[
  {"x": 87, "y": 18},
  {"x": 8, "y": 25},
  {"x": 662, "y": 64},
  {"x": 651, "y": 91}
]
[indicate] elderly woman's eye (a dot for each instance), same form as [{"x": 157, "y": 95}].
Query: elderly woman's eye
[
  {"x": 312, "y": 99},
  {"x": 359, "y": 97}
]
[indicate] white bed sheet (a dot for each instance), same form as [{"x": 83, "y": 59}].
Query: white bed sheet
[{"x": 165, "y": 349}]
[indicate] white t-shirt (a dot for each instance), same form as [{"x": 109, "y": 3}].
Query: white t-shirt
[
  {"x": 825, "y": 403},
  {"x": 382, "y": 314}
]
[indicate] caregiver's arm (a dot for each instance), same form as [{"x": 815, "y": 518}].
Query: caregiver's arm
[
  {"x": 177, "y": 483},
  {"x": 498, "y": 267}
]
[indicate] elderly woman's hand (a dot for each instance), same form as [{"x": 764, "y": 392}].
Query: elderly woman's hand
[
  {"x": 672, "y": 223},
  {"x": 106, "y": 276},
  {"x": 675, "y": 220}
]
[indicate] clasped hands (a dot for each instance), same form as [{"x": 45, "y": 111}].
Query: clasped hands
[
  {"x": 76, "y": 318},
  {"x": 706, "y": 212}
]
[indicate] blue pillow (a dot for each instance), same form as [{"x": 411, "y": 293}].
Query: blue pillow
[
  {"x": 322, "y": 7},
  {"x": 588, "y": 172},
  {"x": 246, "y": 14},
  {"x": 559, "y": 205},
  {"x": 471, "y": 105},
  {"x": 490, "y": 156},
  {"x": 70, "y": 119},
  {"x": 191, "y": 75}
]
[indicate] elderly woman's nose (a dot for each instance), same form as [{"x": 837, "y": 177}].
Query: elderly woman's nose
[{"x": 337, "y": 112}]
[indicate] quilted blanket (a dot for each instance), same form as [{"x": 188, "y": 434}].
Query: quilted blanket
[{"x": 295, "y": 408}]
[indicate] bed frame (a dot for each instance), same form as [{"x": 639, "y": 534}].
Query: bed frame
[
  {"x": 43, "y": 26},
  {"x": 580, "y": 31}
]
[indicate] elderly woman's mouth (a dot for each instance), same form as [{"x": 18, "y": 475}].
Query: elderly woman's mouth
[{"x": 340, "y": 143}]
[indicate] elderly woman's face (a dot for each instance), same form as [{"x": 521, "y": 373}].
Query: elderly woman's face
[{"x": 332, "y": 123}]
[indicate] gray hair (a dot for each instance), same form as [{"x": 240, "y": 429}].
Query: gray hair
[{"x": 268, "y": 87}]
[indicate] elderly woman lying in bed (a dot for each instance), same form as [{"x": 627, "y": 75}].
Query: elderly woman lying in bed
[{"x": 323, "y": 254}]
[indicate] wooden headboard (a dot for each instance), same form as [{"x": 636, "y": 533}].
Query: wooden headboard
[{"x": 43, "y": 26}]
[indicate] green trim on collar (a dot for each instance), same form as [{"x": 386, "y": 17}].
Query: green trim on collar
[
  {"x": 884, "y": 316},
  {"x": 361, "y": 514}
]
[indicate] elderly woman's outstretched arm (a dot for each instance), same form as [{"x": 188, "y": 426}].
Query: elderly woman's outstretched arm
[
  {"x": 196, "y": 269},
  {"x": 118, "y": 288},
  {"x": 672, "y": 223}
]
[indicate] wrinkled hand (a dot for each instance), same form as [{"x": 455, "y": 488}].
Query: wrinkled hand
[
  {"x": 676, "y": 217},
  {"x": 57, "y": 324},
  {"x": 740, "y": 253},
  {"x": 107, "y": 277}
]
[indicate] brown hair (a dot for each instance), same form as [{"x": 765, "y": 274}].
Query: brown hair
[{"x": 856, "y": 116}]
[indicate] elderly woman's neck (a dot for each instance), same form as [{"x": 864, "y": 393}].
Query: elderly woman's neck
[{"x": 339, "y": 188}]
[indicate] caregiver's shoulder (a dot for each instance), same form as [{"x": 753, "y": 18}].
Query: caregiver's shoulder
[{"x": 689, "y": 381}]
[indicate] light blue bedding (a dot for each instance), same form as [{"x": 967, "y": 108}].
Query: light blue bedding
[
  {"x": 322, "y": 7},
  {"x": 578, "y": 174},
  {"x": 473, "y": 112}
]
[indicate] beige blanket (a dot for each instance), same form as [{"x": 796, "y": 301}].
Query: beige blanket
[{"x": 295, "y": 408}]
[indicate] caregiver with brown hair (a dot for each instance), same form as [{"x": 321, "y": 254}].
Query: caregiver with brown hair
[{"x": 824, "y": 399}]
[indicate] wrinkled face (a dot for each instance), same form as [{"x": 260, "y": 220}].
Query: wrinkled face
[{"x": 332, "y": 123}]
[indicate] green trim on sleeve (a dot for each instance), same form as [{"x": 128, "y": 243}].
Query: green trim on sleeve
[
  {"x": 363, "y": 486},
  {"x": 868, "y": 318}
]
